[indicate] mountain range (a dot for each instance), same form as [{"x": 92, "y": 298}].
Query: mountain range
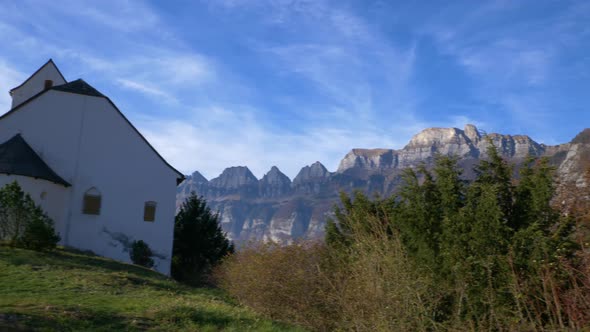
[{"x": 280, "y": 209}]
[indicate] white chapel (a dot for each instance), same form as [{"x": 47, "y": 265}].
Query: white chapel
[{"x": 88, "y": 167}]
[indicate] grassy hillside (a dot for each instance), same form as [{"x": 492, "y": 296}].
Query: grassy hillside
[{"x": 69, "y": 291}]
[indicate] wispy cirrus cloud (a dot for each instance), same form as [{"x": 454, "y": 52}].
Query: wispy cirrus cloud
[
  {"x": 168, "y": 75},
  {"x": 146, "y": 89}
]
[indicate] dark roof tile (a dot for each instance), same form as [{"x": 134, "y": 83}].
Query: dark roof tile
[
  {"x": 80, "y": 87},
  {"x": 18, "y": 158}
]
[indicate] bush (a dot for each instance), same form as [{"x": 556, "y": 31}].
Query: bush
[
  {"x": 281, "y": 282},
  {"x": 141, "y": 254},
  {"x": 372, "y": 287},
  {"x": 22, "y": 222},
  {"x": 199, "y": 242},
  {"x": 39, "y": 234}
]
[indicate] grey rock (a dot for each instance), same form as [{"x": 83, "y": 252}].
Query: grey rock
[{"x": 274, "y": 184}]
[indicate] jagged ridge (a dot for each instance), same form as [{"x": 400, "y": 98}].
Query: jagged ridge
[{"x": 276, "y": 208}]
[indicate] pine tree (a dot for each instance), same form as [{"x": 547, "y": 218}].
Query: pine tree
[
  {"x": 419, "y": 216},
  {"x": 455, "y": 228},
  {"x": 496, "y": 171},
  {"x": 354, "y": 217},
  {"x": 199, "y": 242}
]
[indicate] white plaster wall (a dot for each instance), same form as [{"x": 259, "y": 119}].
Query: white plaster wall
[
  {"x": 115, "y": 160},
  {"x": 53, "y": 202},
  {"x": 86, "y": 141},
  {"x": 50, "y": 124},
  {"x": 36, "y": 84}
]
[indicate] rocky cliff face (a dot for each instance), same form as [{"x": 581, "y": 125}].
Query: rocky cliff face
[
  {"x": 274, "y": 208},
  {"x": 574, "y": 170}
]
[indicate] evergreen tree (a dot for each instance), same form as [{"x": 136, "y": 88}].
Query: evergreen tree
[
  {"x": 455, "y": 227},
  {"x": 419, "y": 216},
  {"x": 199, "y": 242},
  {"x": 496, "y": 171},
  {"x": 355, "y": 216},
  {"x": 449, "y": 185},
  {"x": 489, "y": 209},
  {"x": 541, "y": 234}
]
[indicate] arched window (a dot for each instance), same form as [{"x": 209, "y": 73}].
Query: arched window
[
  {"x": 149, "y": 211},
  {"x": 92, "y": 201}
]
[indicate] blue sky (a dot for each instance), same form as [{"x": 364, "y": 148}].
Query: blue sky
[{"x": 213, "y": 84}]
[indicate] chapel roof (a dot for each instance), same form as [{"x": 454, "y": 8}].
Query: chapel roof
[
  {"x": 18, "y": 158},
  {"x": 80, "y": 87}
]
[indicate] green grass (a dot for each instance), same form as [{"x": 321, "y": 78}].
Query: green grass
[{"x": 70, "y": 291}]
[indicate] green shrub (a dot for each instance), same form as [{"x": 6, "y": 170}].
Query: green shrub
[
  {"x": 22, "y": 222},
  {"x": 39, "y": 234},
  {"x": 141, "y": 254}
]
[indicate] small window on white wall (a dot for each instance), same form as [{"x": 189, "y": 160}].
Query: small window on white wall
[
  {"x": 48, "y": 84},
  {"x": 149, "y": 211},
  {"x": 92, "y": 202}
]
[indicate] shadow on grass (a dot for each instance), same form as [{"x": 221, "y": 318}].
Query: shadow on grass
[
  {"x": 119, "y": 274},
  {"x": 68, "y": 259},
  {"x": 71, "y": 259},
  {"x": 187, "y": 317},
  {"x": 177, "y": 319},
  {"x": 71, "y": 319},
  {"x": 185, "y": 314}
]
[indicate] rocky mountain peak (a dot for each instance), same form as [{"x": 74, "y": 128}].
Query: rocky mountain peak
[
  {"x": 433, "y": 137},
  {"x": 274, "y": 183},
  {"x": 198, "y": 178},
  {"x": 314, "y": 171},
  {"x": 234, "y": 177},
  {"x": 429, "y": 142},
  {"x": 368, "y": 159},
  {"x": 583, "y": 137},
  {"x": 472, "y": 133},
  {"x": 275, "y": 176}
]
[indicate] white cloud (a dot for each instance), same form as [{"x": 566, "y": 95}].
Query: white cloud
[{"x": 146, "y": 89}]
